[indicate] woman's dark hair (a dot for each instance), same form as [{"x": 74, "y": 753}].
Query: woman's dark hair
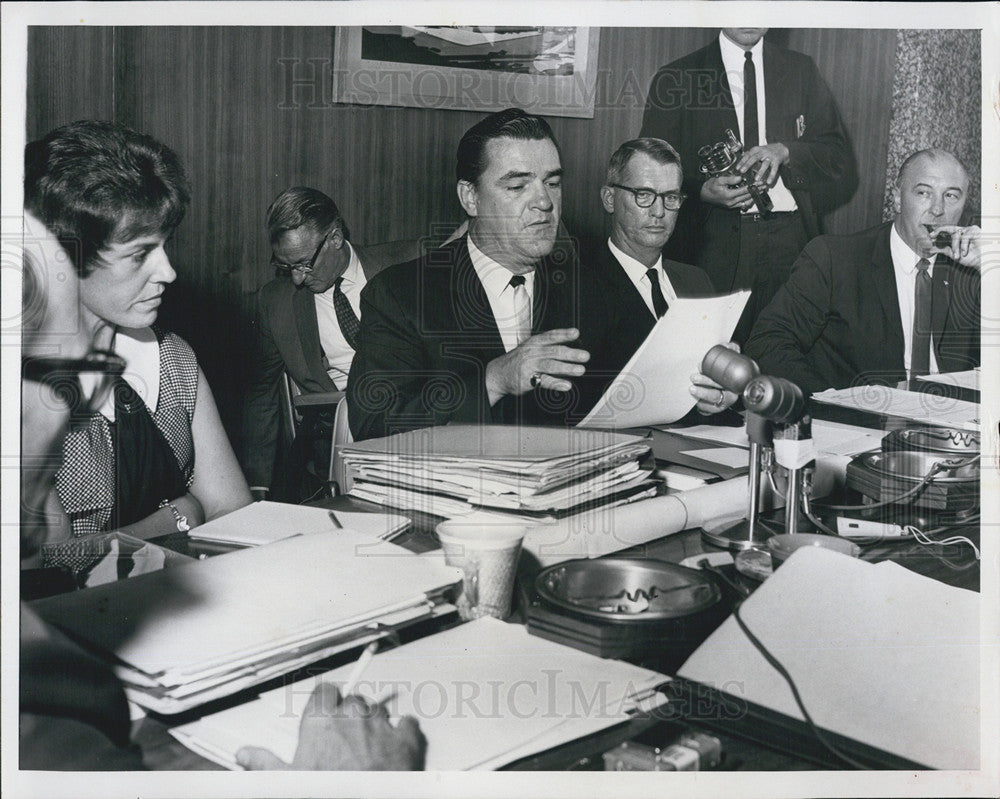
[{"x": 95, "y": 183}]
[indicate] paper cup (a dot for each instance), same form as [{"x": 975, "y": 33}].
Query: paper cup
[{"x": 487, "y": 554}]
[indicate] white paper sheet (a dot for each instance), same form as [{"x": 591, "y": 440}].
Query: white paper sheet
[
  {"x": 733, "y": 457},
  {"x": 879, "y": 653},
  {"x": 654, "y": 386},
  {"x": 265, "y": 522},
  {"x": 968, "y": 380},
  {"x": 484, "y": 693},
  {"x": 835, "y": 438},
  {"x": 735, "y": 436}
]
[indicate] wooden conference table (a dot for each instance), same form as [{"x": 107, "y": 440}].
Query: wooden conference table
[{"x": 954, "y": 565}]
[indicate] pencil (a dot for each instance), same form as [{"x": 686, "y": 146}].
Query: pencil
[
  {"x": 359, "y": 668},
  {"x": 336, "y": 521}
]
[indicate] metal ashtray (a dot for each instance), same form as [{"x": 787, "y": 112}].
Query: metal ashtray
[{"x": 623, "y": 589}]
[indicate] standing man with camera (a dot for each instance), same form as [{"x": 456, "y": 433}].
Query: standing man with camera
[{"x": 794, "y": 147}]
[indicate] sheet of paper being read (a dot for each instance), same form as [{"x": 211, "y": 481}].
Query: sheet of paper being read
[{"x": 654, "y": 387}]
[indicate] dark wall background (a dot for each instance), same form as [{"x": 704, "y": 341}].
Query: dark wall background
[{"x": 224, "y": 100}]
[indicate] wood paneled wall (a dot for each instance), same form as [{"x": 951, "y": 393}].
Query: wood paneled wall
[
  {"x": 70, "y": 76},
  {"x": 225, "y": 100},
  {"x": 858, "y": 66}
]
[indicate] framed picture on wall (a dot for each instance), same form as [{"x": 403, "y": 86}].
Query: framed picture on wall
[{"x": 545, "y": 70}]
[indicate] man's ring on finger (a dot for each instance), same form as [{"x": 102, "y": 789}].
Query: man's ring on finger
[
  {"x": 536, "y": 380},
  {"x": 721, "y": 399}
]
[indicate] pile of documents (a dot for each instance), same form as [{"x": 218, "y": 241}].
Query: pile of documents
[
  {"x": 181, "y": 637},
  {"x": 485, "y": 694},
  {"x": 266, "y": 522},
  {"x": 529, "y": 471},
  {"x": 925, "y": 408}
]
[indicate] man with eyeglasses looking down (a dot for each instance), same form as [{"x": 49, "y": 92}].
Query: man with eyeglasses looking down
[{"x": 308, "y": 324}]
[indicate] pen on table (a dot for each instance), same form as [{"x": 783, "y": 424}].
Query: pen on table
[
  {"x": 359, "y": 668},
  {"x": 336, "y": 521}
]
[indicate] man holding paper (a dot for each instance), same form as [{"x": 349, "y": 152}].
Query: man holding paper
[
  {"x": 482, "y": 330},
  {"x": 636, "y": 284}
]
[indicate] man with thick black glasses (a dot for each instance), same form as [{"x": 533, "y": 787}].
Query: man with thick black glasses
[
  {"x": 308, "y": 318},
  {"x": 637, "y": 284}
]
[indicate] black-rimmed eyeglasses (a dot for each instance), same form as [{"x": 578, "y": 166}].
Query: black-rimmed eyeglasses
[
  {"x": 62, "y": 375},
  {"x": 644, "y": 198},
  {"x": 305, "y": 267}
]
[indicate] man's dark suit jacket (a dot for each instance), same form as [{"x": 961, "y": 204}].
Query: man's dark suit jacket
[
  {"x": 288, "y": 342},
  {"x": 690, "y": 105},
  {"x": 836, "y": 322},
  {"x": 427, "y": 335},
  {"x": 616, "y": 319},
  {"x": 73, "y": 712}
]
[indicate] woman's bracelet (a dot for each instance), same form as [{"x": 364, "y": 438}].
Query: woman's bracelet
[{"x": 182, "y": 522}]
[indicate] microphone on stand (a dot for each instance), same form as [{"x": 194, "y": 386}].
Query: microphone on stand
[{"x": 776, "y": 420}]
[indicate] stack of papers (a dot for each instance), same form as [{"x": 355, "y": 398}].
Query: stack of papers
[
  {"x": 533, "y": 471},
  {"x": 185, "y": 636},
  {"x": 968, "y": 380},
  {"x": 485, "y": 694},
  {"x": 266, "y": 522},
  {"x": 832, "y": 438},
  {"x": 925, "y": 408},
  {"x": 879, "y": 653}
]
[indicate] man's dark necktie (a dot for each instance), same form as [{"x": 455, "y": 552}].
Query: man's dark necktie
[
  {"x": 659, "y": 303},
  {"x": 522, "y": 309},
  {"x": 750, "y": 132},
  {"x": 920, "y": 352},
  {"x": 345, "y": 315}
]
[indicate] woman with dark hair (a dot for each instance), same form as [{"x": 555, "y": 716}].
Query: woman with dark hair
[{"x": 154, "y": 458}]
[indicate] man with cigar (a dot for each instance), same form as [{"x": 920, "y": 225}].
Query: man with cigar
[
  {"x": 794, "y": 147},
  {"x": 895, "y": 301}
]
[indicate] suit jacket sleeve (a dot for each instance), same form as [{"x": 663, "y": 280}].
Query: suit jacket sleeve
[
  {"x": 402, "y": 379},
  {"x": 821, "y": 161},
  {"x": 663, "y": 116},
  {"x": 261, "y": 407},
  {"x": 791, "y": 324}
]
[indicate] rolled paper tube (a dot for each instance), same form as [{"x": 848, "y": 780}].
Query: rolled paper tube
[{"x": 604, "y": 530}]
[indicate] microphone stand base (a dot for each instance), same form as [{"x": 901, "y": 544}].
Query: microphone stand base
[{"x": 736, "y": 536}]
